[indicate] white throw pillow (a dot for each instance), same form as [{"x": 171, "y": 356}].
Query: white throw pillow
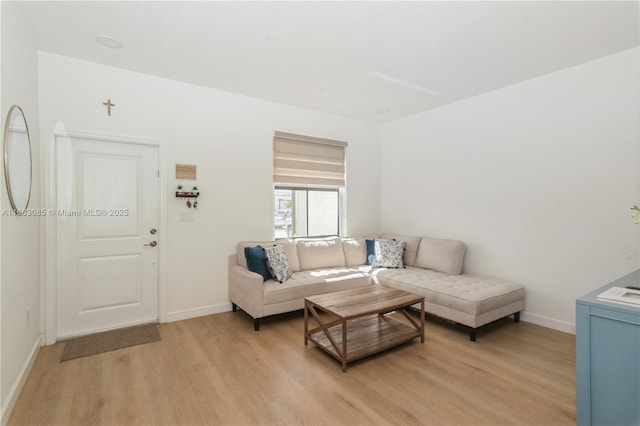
[
  {"x": 388, "y": 253},
  {"x": 278, "y": 263}
]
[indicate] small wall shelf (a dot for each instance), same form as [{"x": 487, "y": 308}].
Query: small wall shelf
[
  {"x": 187, "y": 194},
  {"x": 191, "y": 196}
]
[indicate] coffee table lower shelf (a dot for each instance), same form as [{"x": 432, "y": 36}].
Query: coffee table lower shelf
[{"x": 365, "y": 336}]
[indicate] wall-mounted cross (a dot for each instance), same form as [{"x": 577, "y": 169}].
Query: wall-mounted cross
[{"x": 108, "y": 104}]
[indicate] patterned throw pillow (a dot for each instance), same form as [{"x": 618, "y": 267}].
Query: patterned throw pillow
[
  {"x": 278, "y": 263},
  {"x": 388, "y": 253}
]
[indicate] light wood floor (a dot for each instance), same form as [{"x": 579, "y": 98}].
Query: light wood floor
[{"x": 216, "y": 370}]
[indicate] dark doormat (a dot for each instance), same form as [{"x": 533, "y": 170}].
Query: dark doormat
[{"x": 109, "y": 341}]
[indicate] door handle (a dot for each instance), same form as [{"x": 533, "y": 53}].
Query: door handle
[{"x": 152, "y": 244}]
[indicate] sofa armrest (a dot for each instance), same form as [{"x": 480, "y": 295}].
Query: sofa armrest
[{"x": 246, "y": 290}]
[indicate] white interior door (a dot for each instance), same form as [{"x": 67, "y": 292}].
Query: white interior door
[{"x": 107, "y": 214}]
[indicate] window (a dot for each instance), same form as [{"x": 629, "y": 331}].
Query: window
[
  {"x": 309, "y": 181},
  {"x": 302, "y": 212}
]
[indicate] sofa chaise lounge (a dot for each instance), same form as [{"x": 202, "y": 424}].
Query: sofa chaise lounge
[{"x": 431, "y": 268}]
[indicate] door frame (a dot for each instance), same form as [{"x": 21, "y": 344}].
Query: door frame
[{"x": 50, "y": 305}]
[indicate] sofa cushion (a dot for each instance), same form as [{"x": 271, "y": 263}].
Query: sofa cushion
[
  {"x": 289, "y": 248},
  {"x": 388, "y": 253},
  {"x": 356, "y": 250},
  {"x": 410, "y": 246},
  {"x": 441, "y": 255},
  {"x": 470, "y": 294},
  {"x": 278, "y": 263},
  {"x": 292, "y": 253},
  {"x": 308, "y": 283},
  {"x": 318, "y": 254},
  {"x": 257, "y": 261}
]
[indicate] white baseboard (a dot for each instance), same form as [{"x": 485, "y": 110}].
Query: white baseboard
[
  {"x": 565, "y": 327},
  {"x": 553, "y": 323},
  {"x": 14, "y": 392},
  {"x": 198, "y": 312}
]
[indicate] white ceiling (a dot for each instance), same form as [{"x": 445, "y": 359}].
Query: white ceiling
[{"x": 376, "y": 61}]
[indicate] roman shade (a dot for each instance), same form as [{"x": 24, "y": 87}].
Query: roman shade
[{"x": 307, "y": 160}]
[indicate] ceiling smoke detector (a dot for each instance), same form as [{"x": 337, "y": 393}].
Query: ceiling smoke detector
[{"x": 109, "y": 41}]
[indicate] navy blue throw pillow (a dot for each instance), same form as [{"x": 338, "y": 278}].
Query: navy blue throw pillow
[
  {"x": 370, "y": 251},
  {"x": 257, "y": 261}
]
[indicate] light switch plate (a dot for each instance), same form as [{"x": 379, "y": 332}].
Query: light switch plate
[{"x": 186, "y": 217}]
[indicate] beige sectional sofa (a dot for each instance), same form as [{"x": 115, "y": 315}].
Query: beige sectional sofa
[{"x": 432, "y": 268}]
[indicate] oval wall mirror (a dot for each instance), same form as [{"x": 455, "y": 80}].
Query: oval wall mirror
[{"x": 17, "y": 159}]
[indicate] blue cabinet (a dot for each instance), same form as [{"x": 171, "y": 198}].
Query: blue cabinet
[{"x": 608, "y": 359}]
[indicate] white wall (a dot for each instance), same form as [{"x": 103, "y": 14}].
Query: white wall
[
  {"x": 537, "y": 179},
  {"x": 229, "y": 138},
  {"x": 20, "y": 246}
]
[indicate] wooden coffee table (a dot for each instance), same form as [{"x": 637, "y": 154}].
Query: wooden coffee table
[{"x": 357, "y": 325}]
